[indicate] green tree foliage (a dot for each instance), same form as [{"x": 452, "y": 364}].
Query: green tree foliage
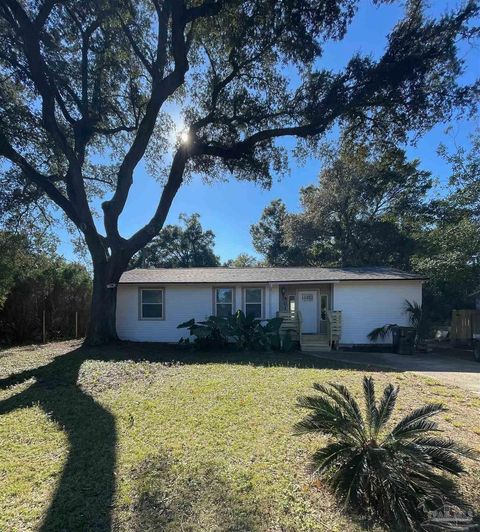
[
  {"x": 363, "y": 210},
  {"x": 361, "y": 213},
  {"x": 34, "y": 279},
  {"x": 179, "y": 247},
  {"x": 13, "y": 257},
  {"x": 269, "y": 236},
  {"x": 465, "y": 177},
  {"x": 371, "y": 207},
  {"x": 449, "y": 255},
  {"x": 18, "y": 253},
  {"x": 88, "y": 86},
  {"x": 243, "y": 260},
  {"x": 449, "y": 243},
  {"x": 395, "y": 476}
]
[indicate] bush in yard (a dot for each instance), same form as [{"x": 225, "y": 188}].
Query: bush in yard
[
  {"x": 396, "y": 476},
  {"x": 252, "y": 333},
  {"x": 209, "y": 334},
  {"x": 247, "y": 332}
]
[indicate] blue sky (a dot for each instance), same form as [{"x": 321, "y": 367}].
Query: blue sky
[{"x": 229, "y": 208}]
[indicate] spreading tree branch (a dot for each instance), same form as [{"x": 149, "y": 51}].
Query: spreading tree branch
[
  {"x": 42, "y": 181},
  {"x": 175, "y": 179}
]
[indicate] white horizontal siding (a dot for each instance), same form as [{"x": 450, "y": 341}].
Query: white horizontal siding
[
  {"x": 364, "y": 305},
  {"x": 181, "y": 304},
  {"x": 370, "y": 304}
]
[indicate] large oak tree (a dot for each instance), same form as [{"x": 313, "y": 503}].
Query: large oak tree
[{"x": 88, "y": 89}]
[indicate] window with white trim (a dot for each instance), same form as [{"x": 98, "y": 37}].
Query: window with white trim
[
  {"x": 253, "y": 302},
  {"x": 151, "y": 303},
  {"x": 223, "y": 302}
]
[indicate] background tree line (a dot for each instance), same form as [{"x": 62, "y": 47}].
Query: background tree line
[
  {"x": 376, "y": 208},
  {"x": 186, "y": 245},
  {"x": 34, "y": 279}
]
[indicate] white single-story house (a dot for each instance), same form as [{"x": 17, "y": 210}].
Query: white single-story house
[{"x": 325, "y": 306}]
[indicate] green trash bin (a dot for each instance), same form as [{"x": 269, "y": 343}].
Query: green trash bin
[
  {"x": 404, "y": 340},
  {"x": 476, "y": 347}
]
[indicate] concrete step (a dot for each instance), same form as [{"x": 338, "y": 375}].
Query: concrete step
[
  {"x": 314, "y": 342},
  {"x": 314, "y": 338},
  {"x": 315, "y": 347}
]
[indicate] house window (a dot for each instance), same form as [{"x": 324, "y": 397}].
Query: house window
[
  {"x": 151, "y": 304},
  {"x": 223, "y": 301},
  {"x": 323, "y": 306},
  {"x": 253, "y": 302}
]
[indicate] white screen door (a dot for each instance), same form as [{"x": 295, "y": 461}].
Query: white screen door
[{"x": 307, "y": 305}]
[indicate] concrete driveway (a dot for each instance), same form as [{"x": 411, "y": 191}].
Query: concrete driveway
[{"x": 458, "y": 370}]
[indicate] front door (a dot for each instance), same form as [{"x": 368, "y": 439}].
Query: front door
[{"x": 307, "y": 305}]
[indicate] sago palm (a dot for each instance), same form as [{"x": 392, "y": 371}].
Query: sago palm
[{"x": 394, "y": 476}]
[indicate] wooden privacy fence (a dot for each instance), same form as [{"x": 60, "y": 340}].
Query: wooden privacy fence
[{"x": 465, "y": 323}]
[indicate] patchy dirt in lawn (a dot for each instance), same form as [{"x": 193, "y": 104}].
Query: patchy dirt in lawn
[{"x": 98, "y": 376}]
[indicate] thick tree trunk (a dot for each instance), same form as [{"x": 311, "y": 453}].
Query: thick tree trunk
[{"x": 102, "y": 327}]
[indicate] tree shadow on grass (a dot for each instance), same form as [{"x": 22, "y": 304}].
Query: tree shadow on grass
[
  {"x": 84, "y": 495},
  {"x": 83, "y": 498}
]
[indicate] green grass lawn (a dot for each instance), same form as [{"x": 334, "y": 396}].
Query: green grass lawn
[{"x": 99, "y": 439}]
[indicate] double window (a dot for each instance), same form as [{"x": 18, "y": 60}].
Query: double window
[
  {"x": 223, "y": 301},
  {"x": 151, "y": 303},
  {"x": 253, "y": 302},
  {"x": 252, "y": 297}
]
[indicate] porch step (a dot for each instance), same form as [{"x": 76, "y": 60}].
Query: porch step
[
  {"x": 314, "y": 342},
  {"x": 315, "y": 347},
  {"x": 314, "y": 338}
]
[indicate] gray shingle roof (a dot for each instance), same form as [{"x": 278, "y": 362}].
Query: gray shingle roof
[{"x": 262, "y": 275}]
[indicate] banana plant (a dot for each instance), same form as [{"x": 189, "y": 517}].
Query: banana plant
[
  {"x": 209, "y": 333},
  {"x": 247, "y": 332}
]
